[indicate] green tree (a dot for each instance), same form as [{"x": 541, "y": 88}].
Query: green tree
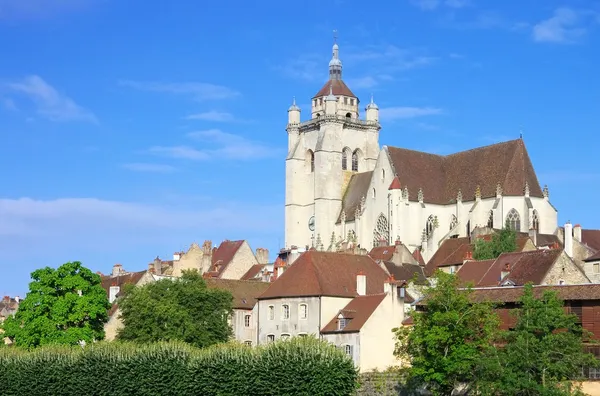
[
  {"x": 504, "y": 241},
  {"x": 447, "y": 339},
  {"x": 541, "y": 355},
  {"x": 63, "y": 306},
  {"x": 183, "y": 309}
]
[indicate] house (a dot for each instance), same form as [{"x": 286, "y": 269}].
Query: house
[
  {"x": 244, "y": 321},
  {"x": 310, "y": 295},
  {"x": 540, "y": 267},
  {"x": 8, "y": 307}
]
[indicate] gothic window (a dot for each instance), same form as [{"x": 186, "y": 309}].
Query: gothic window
[
  {"x": 348, "y": 115},
  {"x": 345, "y": 154},
  {"x": 383, "y": 175},
  {"x": 381, "y": 231},
  {"x": 374, "y": 194},
  {"x": 513, "y": 220},
  {"x": 355, "y": 161},
  {"x": 453, "y": 222},
  {"x": 310, "y": 161},
  {"x": 535, "y": 221},
  {"x": 469, "y": 228},
  {"x": 490, "y": 222},
  {"x": 429, "y": 226}
]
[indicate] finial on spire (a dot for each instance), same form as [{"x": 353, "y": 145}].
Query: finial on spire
[
  {"x": 371, "y": 98},
  {"x": 520, "y": 131},
  {"x": 335, "y": 36},
  {"x": 294, "y": 101},
  {"x": 331, "y": 89}
]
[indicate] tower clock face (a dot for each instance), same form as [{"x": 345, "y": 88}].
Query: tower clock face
[{"x": 311, "y": 223}]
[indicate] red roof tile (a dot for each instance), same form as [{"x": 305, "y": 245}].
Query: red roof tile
[
  {"x": 223, "y": 255},
  {"x": 339, "y": 88},
  {"x": 130, "y": 278},
  {"x": 589, "y": 291},
  {"x": 395, "y": 185},
  {"x": 383, "y": 253},
  {"x": 317, "y": 273},
  {"x": 245, "y": 292},
  {"x": 591, "y": 238},
  {"x": 473, "y": 271},
  {"x": 359, "y": 310},
  {"x": 419, "y": 257},
  {"x": 441, "y": 177},
  {"x": 253, "y": 272}
]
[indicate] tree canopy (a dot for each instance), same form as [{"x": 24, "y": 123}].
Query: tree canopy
[
  {"x": 63, "y": 306},
  {"x": 504, "y": 241},
  {"x": 183, "y": 309},
  {"x": 447, "y": 339}
]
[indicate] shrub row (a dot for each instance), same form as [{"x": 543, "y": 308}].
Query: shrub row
[{"x": 300, "y": 366}]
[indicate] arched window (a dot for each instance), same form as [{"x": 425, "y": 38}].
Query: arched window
[
  {"x": 381, "y": 231},
  {"x": 374, "y": 194},
  {"x": 310, "y": 161},
  {"x": 346, "y": 153},
  {"x": 535, "y": 221},
  {"x": 348, "y": 115},
  {"x": 429, "y": 226},
  {"x": 453, "y": 222},
  {"x": 469, "y": 228},
  {"x": 355, "y": 161},
  {"x": 285, "y": 312},
  {"x": 513, "y": 220},
  {"x": 490, "y": 222},
  {"x": 382, "y": 174}
]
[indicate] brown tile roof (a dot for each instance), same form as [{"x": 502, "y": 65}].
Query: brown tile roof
[
  {"x": 358, "y": 187},
  {"x": 589, "y": 291},
  {"x": 406, "y": 272},
  {"x": 223, "y": 255},
  {"x": 593, "y": 257},
  {"x": 409, "y": 321},
  {"x": 245, "y": 292},
  {"x": 253, "y": 272},
  {"x": 591, "y": 238},
  {"x": 473, "y": 271},
  {"x": 338, "y": 88},
  {"x": 359, "y": 310},
  {"x": 542, "y": 239},
  {"x": 317, "y": 273},
  {"x": 130, "y": 278},
  {"x": 383, "y": 253},
  {"x": 395, "y": 185},
  {"x": 419, "y": 257},
  {"x": 441, "y": 177}
]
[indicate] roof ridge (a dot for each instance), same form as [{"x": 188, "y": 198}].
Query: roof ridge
[{"x": 453, "y": 154}]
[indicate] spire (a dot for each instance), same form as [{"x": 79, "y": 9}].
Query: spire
[
  {"x": 294, "y": 107},
  {"x": 335, "y": 64},
  {"x": 372, "y": 105}
]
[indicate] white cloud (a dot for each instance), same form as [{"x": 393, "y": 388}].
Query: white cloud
[
  {"x": 225, "y": 146},
  {"x": 86, "y": 217},
  {"x": 564, "y": 27},
  {"x": 34, "y": 9},
  {"x": 198, "y": 90},
  {"x": 50, "y": 103},
  {"x": 152, "y": 168},
  {"x": 396, "y": 113},
  {"x": 212, "y": 115}
]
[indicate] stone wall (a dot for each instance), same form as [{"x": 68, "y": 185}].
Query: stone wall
[{"x": 380, "y": 384}]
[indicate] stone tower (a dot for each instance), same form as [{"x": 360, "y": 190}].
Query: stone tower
[{"x": 323, "y": 153}]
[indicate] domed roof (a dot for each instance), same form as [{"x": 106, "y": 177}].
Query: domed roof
[
  {"x": 335, "y": 62},
  {"x": 294, "y": 107},
  {"x": 372, "y": 105}
]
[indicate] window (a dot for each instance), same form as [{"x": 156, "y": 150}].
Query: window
[
  {"x": 348, "y": 115},
  {"x": 535, "y": 221},
  {"x": 320, "y": 101},
  {"x": 247, "y": 320},
  {"x": 596, "y": 268},
  {"x": 453, "y": 222},
  {"x": 355, "y": 161},
  {"x": 345, "y": 155},
  {"x": 285, "y": 312},
  {"x": 271, "y": 312},
  {"x": 346, "y": 102},
  {"x": 285, "y": 336},
  {"x": 303, "y": 311},
  {"x": 381, "y": 231},
  {"x": 352, "y": 102},
  {"x": 271, "y": 338},
  {"x": 348, "y": 350},
  {"x": 490, "y": 222},
  {"x": 514, "y": 220},
  {"x": 310, "y": 161},
  {"x": 342, "y": 323},
  {"x": 429, "y": 226},
  {"x": 315, "y": 102},
  {"x": 249, "y": 343},
  {"x": 374, "y": 194},
  {"x": 302, "y": 335},
  {"x": 383, "y": 175}
]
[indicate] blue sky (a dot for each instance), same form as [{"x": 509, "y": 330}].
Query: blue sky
[{"x": 130, "y": 129}]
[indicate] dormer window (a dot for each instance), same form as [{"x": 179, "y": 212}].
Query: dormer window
[{"x": 342, "y": 323}]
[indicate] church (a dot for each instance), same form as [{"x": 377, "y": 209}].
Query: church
[{"x": 342, "y": 187}]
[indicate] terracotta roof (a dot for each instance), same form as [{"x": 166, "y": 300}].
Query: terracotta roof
[
  {"x": 408, "y": 299},
  {"x": 473, "y": 271},
  {"x": 245, "y": 292},
  {"x": 383, "y": 253},
  {"x": 223, "y": 255},
  {"x": 589, "y": 291},
  {"x": 253, "y": 272},
  {"x": 359, "y": 310},
  {"x": 406, "y": 272},
  {"x": 542, "y": 239},
  {"x": 419, "y": 257},
  {"x": 395, "y": 185},
  {"x": 338, "y": 87},
  {"x": 591, "y": 238},
  {"x": 409, "y": 321},
  {"x": 441, "y": 177},
  {"x": 317, "y": 273},
  {"x": 593, "y": 257},
  {"x": 358, "y": 187},
  {"x": 130, "y": 278}
]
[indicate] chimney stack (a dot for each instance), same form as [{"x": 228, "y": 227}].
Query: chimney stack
[
  {"x": 361, "y": 284},
  {"x": 112, "y": 293},
  {"x": 577, "y": 232},
  {"x": 117, "y": 270},
  {"x": 569, "y": 239},
  {"x": 468, "y": 256},
  {"x": 505, "y": 271},
  {"x": 533, "y": 235},
  {"x": 262, "y": 256},
  {"x": 176, "y": 256}
]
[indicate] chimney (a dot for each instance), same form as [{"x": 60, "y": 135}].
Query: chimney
[
  {"x": 533, "y": 235},
  {"x": 292, "y": 255},
  {"x": 112, "y": 293},
  {"x": 577, "y": 232},
  {"x": 18, "y": 299},
  {"x": 569, "y": 239},
  {"x": 207, "y": 255},
  {"x": 117, "y": 270},
  {"x": 176, "y": 256},
  {"x": 361, "y": 284},
  {"x": 6, "y": 299},
  {"x": 262, "y": 256},
  {"x": 157, "y": 266},
  {"x": 468, "y": 256},
  {"x": 505, "y": 271}
]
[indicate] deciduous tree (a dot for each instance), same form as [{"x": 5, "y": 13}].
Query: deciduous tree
[
  {"x": 63, "y": 306},
  {"x": 504, "y": 241}
]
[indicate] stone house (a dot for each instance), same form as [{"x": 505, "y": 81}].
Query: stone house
[{"x": 8, "y": 307}]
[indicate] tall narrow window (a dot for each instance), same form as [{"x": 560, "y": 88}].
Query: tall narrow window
[
  {"x": 247, "y": 319},
  {"x": 355, "y": 161},
  {"x": 271, "y": 312},
  {"x": 429, "y": 226},
  {"x": 271, "y": 338},
  {"x": 303, "y": 311},
  {"x": 285, "y": 312},
  {"x": 342, "y": 323},
  {"x": 310, "y": 161},
  {"x": 344, "y": 160},
  {"x": 348, "y": 350},
  {"x": 453, "y": 222},
  {"x": 535, "y": 221},
  {"x": 490, "y": 222},
  {"x": 513, "y": 220}
]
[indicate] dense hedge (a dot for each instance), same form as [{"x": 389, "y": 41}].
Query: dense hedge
[{"x": 300, "y": 366}]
